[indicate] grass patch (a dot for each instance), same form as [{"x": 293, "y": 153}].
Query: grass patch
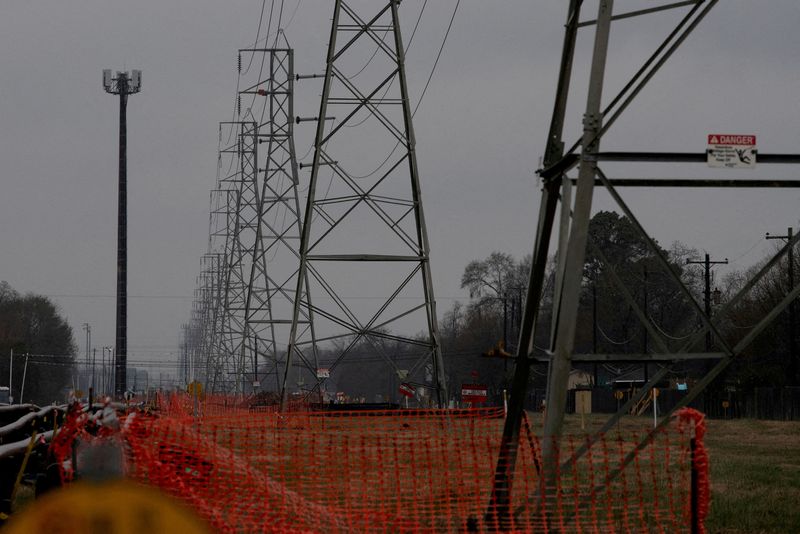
[
  {"x": 755, "y": 476},
  {"x": 755, "y": 471}
]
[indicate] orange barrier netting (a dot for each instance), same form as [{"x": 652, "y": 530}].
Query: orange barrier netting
[
  {"x": 178, "y": 405},
  {"x": 402, "y": 471}
]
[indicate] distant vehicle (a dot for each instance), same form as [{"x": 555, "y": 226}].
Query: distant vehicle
[{"x": 5, "y": 395}]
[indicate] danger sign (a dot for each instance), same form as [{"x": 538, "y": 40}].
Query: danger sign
[
  {"x": 474, "y": 392},
  {"x": 731, "y": 151},
  {"x": 407, "y": 389}
]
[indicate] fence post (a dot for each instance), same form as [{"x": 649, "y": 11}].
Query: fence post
[{"x": 693, "y": 493}]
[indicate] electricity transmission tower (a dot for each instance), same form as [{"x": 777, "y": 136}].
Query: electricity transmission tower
[
  {"x": 572, "y": 226},
  {"x": 247, "y": 295},
  {"x": 214, "y": 317},
  {"x": 275, "y": 263},
  {"x": 123, "y": 84},
  {"x": 239, "y": 248},
  {"x": 207, "y": 314},
  {"x": 364, "y": 231}
]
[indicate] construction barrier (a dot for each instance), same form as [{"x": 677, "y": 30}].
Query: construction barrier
[{"x": 403, "y": 471}]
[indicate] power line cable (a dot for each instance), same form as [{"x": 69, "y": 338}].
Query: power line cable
[
  {"x": 297, "y": 5},
  {"x": 422, "y": 95},
  {"x": 394, "y": 77},
  {"x": 611, "y": 340},
  {"x": 258, "y": 33},
  {"x": 665, "y": 334}
]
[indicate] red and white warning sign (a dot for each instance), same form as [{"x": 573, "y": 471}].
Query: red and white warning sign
[
  {"x": 733, "y": 151},
  {"x": 407, "y": 389},
  {"x": 474, "y": 392}
]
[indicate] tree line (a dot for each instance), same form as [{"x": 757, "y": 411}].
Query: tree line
[
  {"x": 479, "y": 337},
  {"x": 43, "y": 347},
  {"x": 477, "y": 334}
]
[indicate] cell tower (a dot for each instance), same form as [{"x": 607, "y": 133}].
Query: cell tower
[
  {"x": 572, "y": 237},
  {"x": 123, "y": 84},
  {"x": 364, "y": 247}
]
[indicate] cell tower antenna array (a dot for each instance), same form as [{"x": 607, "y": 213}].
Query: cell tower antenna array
[{"x": 122, "y": 84}]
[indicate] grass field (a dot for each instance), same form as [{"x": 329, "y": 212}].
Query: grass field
[
  {"x": 755, "y": 476},
  {"x": 755, "y": 471}
]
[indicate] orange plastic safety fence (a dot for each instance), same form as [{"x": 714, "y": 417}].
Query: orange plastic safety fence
[
  {"x": 177, "y": 405},
  {"x": 404, "y": 471}
]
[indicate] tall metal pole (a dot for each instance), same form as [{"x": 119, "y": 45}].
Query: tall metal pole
[
  {"x": 122, "y": 241},
  {"x": 122, "y": 85},
  {"x": 565, "y": 316}
]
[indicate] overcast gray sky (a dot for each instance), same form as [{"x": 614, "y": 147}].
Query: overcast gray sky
[{"x": 480, "y": 134}]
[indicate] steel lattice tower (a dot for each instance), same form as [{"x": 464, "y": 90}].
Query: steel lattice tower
[
  {"x": 240, "y": 244},
  {"x": 208, "y": 361},
  {"x": 275, "y": 263},
  {"x": 574, "y": 195},
  {"x": 250, "y": 274},
  {"x": 364, "y": 233},
  {"x": 222, "y": 286},
  {"x": 222, "y": 202},
  {"x": 214, "y": 329}
]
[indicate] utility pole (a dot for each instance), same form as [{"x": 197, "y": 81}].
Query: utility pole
[
  {"x": 122, "y": 85},
  {"x": 24, "y": 375},
  {"x": 594, "y": 326},
  {"x": 707, "y": 291},
  {"x": 647, "y": 316},
  {"x": 94, "y": 362},
  {"x": 255, "y": 364},
  {"x": 88, "y": 328},
  {"x": 792, "y": 369},
  {"x": 106, "y": 380}
]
